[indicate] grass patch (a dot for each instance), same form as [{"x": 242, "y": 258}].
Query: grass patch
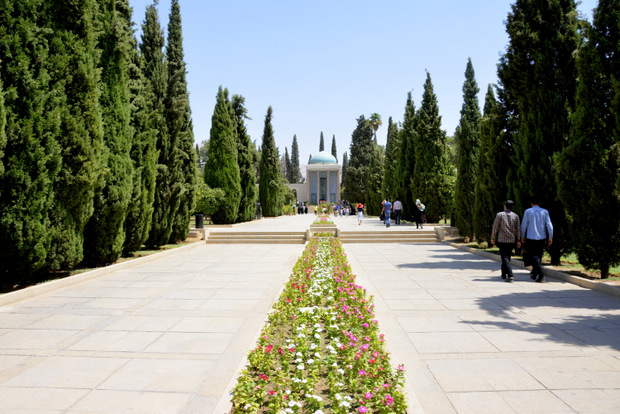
[{"x": 569, "y": 264}]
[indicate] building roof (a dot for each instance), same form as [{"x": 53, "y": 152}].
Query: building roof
[{"x": 323, "y": 157}]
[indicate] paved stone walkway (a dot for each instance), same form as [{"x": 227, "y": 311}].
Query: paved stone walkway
[{"x": 169, "y": 335}]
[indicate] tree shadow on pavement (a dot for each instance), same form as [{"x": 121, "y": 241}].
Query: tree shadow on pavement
[{"x": 574, "y": 316}]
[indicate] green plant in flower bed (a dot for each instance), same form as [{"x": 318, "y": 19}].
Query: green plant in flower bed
[
  {"x": 321, "y": 350},
  {"x": 323, "y": 220}
]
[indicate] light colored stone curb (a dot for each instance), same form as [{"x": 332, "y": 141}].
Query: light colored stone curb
[
  {"x": 32, "y": 291},
  {"x": 603, "y": 287}
]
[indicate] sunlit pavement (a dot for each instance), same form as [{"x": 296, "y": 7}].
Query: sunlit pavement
[{"x": 169, "y": 335}]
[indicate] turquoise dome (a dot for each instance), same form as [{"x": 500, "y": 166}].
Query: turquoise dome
[{"x": 323, "y": 157}]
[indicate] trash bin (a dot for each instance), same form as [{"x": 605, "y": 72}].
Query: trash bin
[
  {"x": 452, "y": 219},
  {"x": 200, "y": 221},
  {"x": 258, "y": 212}
]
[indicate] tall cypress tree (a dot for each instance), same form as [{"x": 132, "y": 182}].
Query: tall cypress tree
[
  {"x": 430, "y": 178},
  {"x": 296, "y": 172},
  {"x": 322, "y": 143},
  {"x": 407, "y": 138},
  {"x": 269, "y": 187},
  {"x": 589, "y": 166},
  {"x": 182, "y": 161},
  {"x": 143, "y": 155},
  {"x": 73, "y": 44},
  {"x": 334, "y": 149},
  {"x": 31, "y": 154},
  {"x": 493, "y": 165},
  {"x": 156, "y": 74},
  {"x": 467, "y": 141},
  {"x": 538, "y": 70},
  {"x": 361, "y": 153},
  {"x": 390, "y": 176},
  {"x": 222, "y": 168},
  {"x": 345, "y": 164},
  {"x": 374, "y": 180},
  {"x": 287, "y": 166},
  {"x": 245, "y": 160},
  {"x": 104, "y": 235}
]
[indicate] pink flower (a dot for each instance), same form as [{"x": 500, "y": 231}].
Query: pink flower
[
  {"x": 272, "y": 392},
  {"x": 362, "y": 409},
  {"x": 389, "y": 400},
  {"x": 401, "y": 367},
  {"x": 368, "y": 395},
  {"x": 361, "y": 373},
  {"x": 365, "y": 325}
]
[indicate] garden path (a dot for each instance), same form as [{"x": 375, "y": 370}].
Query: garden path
[{"x": 168, "y": 335}]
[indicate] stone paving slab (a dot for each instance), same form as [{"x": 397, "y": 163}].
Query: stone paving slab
[
  {"x": 165, "y": 336},
  {"x": 169, "y": 334},
  {"x": 472, "y": 343}
]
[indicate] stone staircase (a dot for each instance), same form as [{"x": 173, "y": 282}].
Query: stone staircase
[
  {"x": 389, "y": 236},
  {"x": 247, "y": 237}
]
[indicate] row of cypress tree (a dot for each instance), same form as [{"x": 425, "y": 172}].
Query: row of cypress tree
[
  {"x": 415, "y": 163},
  {"x": 96, "y": 141},
  {"x": 550, "y": 129}
]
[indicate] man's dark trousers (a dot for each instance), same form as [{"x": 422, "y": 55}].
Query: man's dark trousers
[
  {"x": 505, "y": 252},
  {"x": 536, "y": 249},
  {"x": 397, "y": 214}
]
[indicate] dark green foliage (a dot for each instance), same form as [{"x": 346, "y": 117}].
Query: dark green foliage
[
  {"x": 2, "y": 128},
  {"x": 361, "y": 153},
  {"x": 538, "y": 71},
  {"x": 222, "y": 169},
  {"x": 334, "y": 149},
  {"x": 588, "y": 167},
  {"x": 345, "y": 164},
  {"x": 245, "y": 160},
  {"x": 374, "y": 181},
  {"x": 322, "y": 143},
  {"x": 104, "y": 235},
  {"x": 467, "y": 141},
  {"x": 143, "y": 156},
  {"x": 390, "y": 166},
  {"x": 270, "y": 188},
  {"x": 73, "y": 69},
  {"x": 493, "y": 165},
  {"x": 295, "y": 171},
  {"x": 31, "y": 154},
  {"x": 156, "y": 74},
  {"x": 431, "y": 182},
  {"x": 407, "y": 137},
  {"x": 182, "y": 160},
  {"x": 286, "y": 166}
]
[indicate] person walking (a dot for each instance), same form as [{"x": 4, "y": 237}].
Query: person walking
[
  {"x": 360, "y": 213},
  {"x": 398, "y": 209},
  {"x": 419, "y": 217},
  {"x": 536, "y": 232},
  {"x": 387, "y": 210},
  {"x": 506, "y": 230}
]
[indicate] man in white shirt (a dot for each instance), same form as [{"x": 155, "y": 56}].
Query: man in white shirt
[
  {"x": 536, "y": 227},
  {"x": 398, "y": 209}
]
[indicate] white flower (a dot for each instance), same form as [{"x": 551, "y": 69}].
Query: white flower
[
  {"x": 338, "y": 397},
  {"x": 301, "y": 336},
  {"x": 299, "y": 354},
  {"x": 341, "y": 371},
  {"x": 300, "y": 366},
  {"x": 311, "y": 361},
  {"x": 344, "y": 404},
  {"x": 298, "y": 360},
  {"x": 316, "y": 354},
  {"x": 317, "y": 336}
]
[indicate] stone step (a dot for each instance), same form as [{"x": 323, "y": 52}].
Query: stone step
[
  {"x": 281, "y": 237},
  {"x": 393, "y": 240},
  {"x": 389, "y": 236}
]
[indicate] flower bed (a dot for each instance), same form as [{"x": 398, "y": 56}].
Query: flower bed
[
  {"x": 321, "y": 350},
  {"x": 323, "y": 220}
]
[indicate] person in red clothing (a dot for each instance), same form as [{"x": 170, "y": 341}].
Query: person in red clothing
[{"x": 360, "y": 213}]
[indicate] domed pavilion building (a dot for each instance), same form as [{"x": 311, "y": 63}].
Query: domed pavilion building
[{"x": 322, "y": 180}]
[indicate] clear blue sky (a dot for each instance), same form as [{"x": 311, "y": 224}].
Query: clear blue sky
[{"x": 321, "y": 64}]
